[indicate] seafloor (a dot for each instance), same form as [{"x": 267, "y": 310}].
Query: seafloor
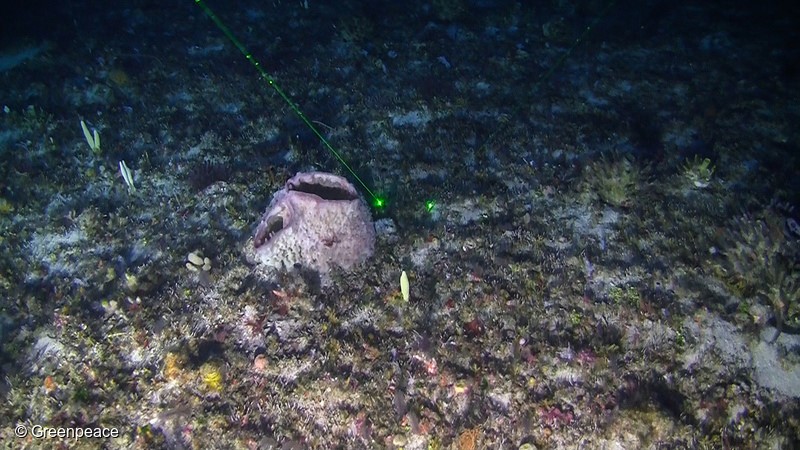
[{"x": 610, "y": 260}]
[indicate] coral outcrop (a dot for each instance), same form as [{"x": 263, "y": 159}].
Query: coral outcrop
[{"x": 318, "y": 220}]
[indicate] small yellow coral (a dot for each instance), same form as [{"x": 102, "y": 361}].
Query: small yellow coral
[
  {"x": 119, "y": 77},
  {"x": 468, "y": 439},
  {"x": 173, "y": 364},
  {"x": 211, "y": 377},
  {"x": 6, "y": 207}
]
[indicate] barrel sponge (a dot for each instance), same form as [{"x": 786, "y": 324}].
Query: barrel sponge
[{"x": 317, "y": 220}]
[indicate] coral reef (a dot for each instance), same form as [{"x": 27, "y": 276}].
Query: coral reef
[{"x": 592, "y": 203}]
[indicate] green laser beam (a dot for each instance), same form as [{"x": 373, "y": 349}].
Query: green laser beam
[{"x": 376, "y": 201}]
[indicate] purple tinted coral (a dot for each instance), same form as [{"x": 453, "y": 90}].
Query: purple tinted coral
[{"x": 318, "y": 220}]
